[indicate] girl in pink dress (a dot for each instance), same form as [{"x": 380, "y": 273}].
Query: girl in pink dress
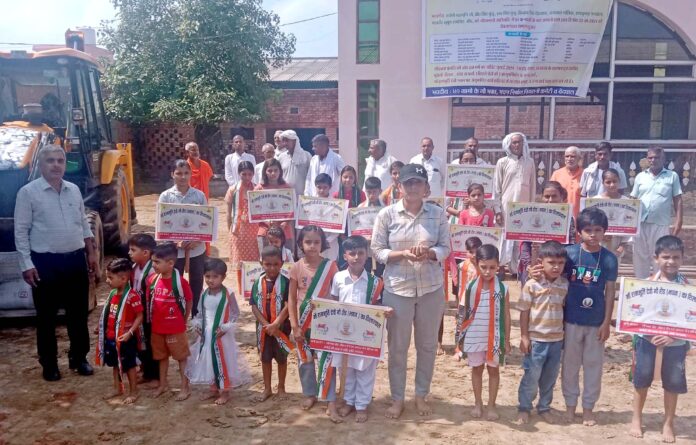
[{"x": 243, "y": 246}]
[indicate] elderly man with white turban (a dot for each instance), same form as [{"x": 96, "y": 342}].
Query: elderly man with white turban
[
  {"x": 515, "y": 181},
  {"x": 294, "y": 160}
]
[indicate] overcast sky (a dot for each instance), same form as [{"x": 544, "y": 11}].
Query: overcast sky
[{"x": 45, "y": 21}]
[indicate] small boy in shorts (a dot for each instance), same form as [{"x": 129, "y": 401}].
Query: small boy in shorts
[
  {"x": 140, "y": 247},
  {"x": 170, "y": 301},
  {"x": 269, "y": 304},
  {"x": 669, "y": 255},
  {"x": 118, "y": 329},
  {"x": 541, "y": 326}
]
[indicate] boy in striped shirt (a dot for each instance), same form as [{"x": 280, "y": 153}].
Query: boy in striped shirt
[{"x": 541, "y": 324}]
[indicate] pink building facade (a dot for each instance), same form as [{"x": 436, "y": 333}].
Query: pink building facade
[{"x": 642, "y": 93}]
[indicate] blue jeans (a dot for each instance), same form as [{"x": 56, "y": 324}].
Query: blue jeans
[{"x": 541, "y": 368}]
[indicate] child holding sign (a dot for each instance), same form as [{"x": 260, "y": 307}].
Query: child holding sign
[
  {"x": 243, "y": 243},
  {"x": 669, "y": 253},
  {"x": 310, "y": 278},
  {"x": 272, "y": 177},
  {"x": 611, "y": 181},
  {"x": 276, "y": 237},
  {"x": 355, "y": 285}
]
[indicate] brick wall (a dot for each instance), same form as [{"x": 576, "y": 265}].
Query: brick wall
[{"x": 316, "y": 108}]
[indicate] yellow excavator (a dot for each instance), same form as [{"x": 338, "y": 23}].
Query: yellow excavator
[{"x": 54, "y": 97}]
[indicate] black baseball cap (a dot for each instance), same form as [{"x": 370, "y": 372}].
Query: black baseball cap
[{"x": 413, "y": 171}]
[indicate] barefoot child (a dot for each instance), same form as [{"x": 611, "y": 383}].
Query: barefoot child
[
  {"x": 355, "y": 285},
  {"x": 119, "y": 327},
  {"x": 216, "y": 359},
  {"x": 169, "y": 302},
  {"x": 541, "y": 326},
  {"x": 310, "y": 279},
  {"x": 486, "y": 328},
  {"x": 591, "y": 270},
  {"x": 669, "y": 254},
  {"x": 269, "y": 304},
  {"x": 140, "y": 247},
  {"x": 392, "y": 193},
  {"x": 276, "y": 237},
  {"x": 467, "y": 273}
]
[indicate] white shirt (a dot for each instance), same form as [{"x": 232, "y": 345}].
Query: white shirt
[
  {"x": 436, "y": 169},
  {"x": 258, "y": 173},
  {"x": 193, "y": 196},
  {"x": 232, "y": 162},
  {"x": 591, "y": 183},
  {"x": 46, "y": 221},
  {"x": 332, "y": 165},
  {"x": 379, "y": 169},
  {"x": 295, "y": 168},
  {"x": 346, "y": 290}
]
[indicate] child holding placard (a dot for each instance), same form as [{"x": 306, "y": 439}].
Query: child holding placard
[
  {"x": 310, "y": 278},
  {"x": 276, "y": 237},
  {"x": 611, "y": 182},
  {"x": 243, "y": 243},
  {"x": 272, "y": 178},
  {"x": 355, "y": 285},
  {"x": 669, "y": 254},
  {"x": 322, "y": 183}
]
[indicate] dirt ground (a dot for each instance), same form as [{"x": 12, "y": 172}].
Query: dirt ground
[{"x": 72, "y": 411}]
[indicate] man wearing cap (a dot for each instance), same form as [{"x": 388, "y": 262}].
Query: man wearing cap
[
  {"x": 294, "y": 160},
  {"x": 434, "y": 165},
  {"x": 412, "y": 239}
]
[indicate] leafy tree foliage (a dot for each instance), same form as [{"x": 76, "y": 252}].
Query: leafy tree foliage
[{"x": 192, "y": 61}]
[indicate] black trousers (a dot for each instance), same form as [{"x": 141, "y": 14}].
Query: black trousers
[
  {"x": 63, "y": 282},
  {"x": 150, "y": 366},
  {"x": 195, "y": 276}
]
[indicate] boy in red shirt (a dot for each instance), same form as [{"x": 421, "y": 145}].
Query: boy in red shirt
[
  {"x": 169, "y": 301},
  {"x": 119, "y": 329}
]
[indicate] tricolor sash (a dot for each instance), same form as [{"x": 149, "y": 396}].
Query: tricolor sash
[
  {"x": 119, "y": 328},
  {"x": 177, "y": 290},
  {"x": 324, "y": 375},
  {"x": 259, "y": 293},
  {"x": 236, "y": 202},
  {"x": 496, "y": 319},
  {"x": 222, "y": 315},
  {"x": 318, "y": 288},
  {"x": 374, "y": 290},
  {"x": 457, "y": 203}
]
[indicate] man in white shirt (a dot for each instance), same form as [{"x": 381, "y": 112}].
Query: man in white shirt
[
  {"x": 268, "y": 152},
  {"x": 591, "y": 183},
  {"x": 233, "y": 159},
  {"x": 324, "y": 161},
  {"x": 57, "y": 251},
  {"x": 278, "y": 145},
  {"x": 378, "y": 163},
  {"x": 471, "y": 144},
  {"x": 434, "y": 165},
  {"x": 294, "y": 160}
]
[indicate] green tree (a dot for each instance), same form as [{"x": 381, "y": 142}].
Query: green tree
[{"x": 199, "y": 62}]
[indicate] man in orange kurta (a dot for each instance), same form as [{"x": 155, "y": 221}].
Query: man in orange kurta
[
  {"x": 569, "y": 177},
  {"x": 201, "y": 172}
]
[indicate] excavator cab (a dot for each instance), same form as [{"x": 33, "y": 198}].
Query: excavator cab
[{"x": 54, "y": 97}]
